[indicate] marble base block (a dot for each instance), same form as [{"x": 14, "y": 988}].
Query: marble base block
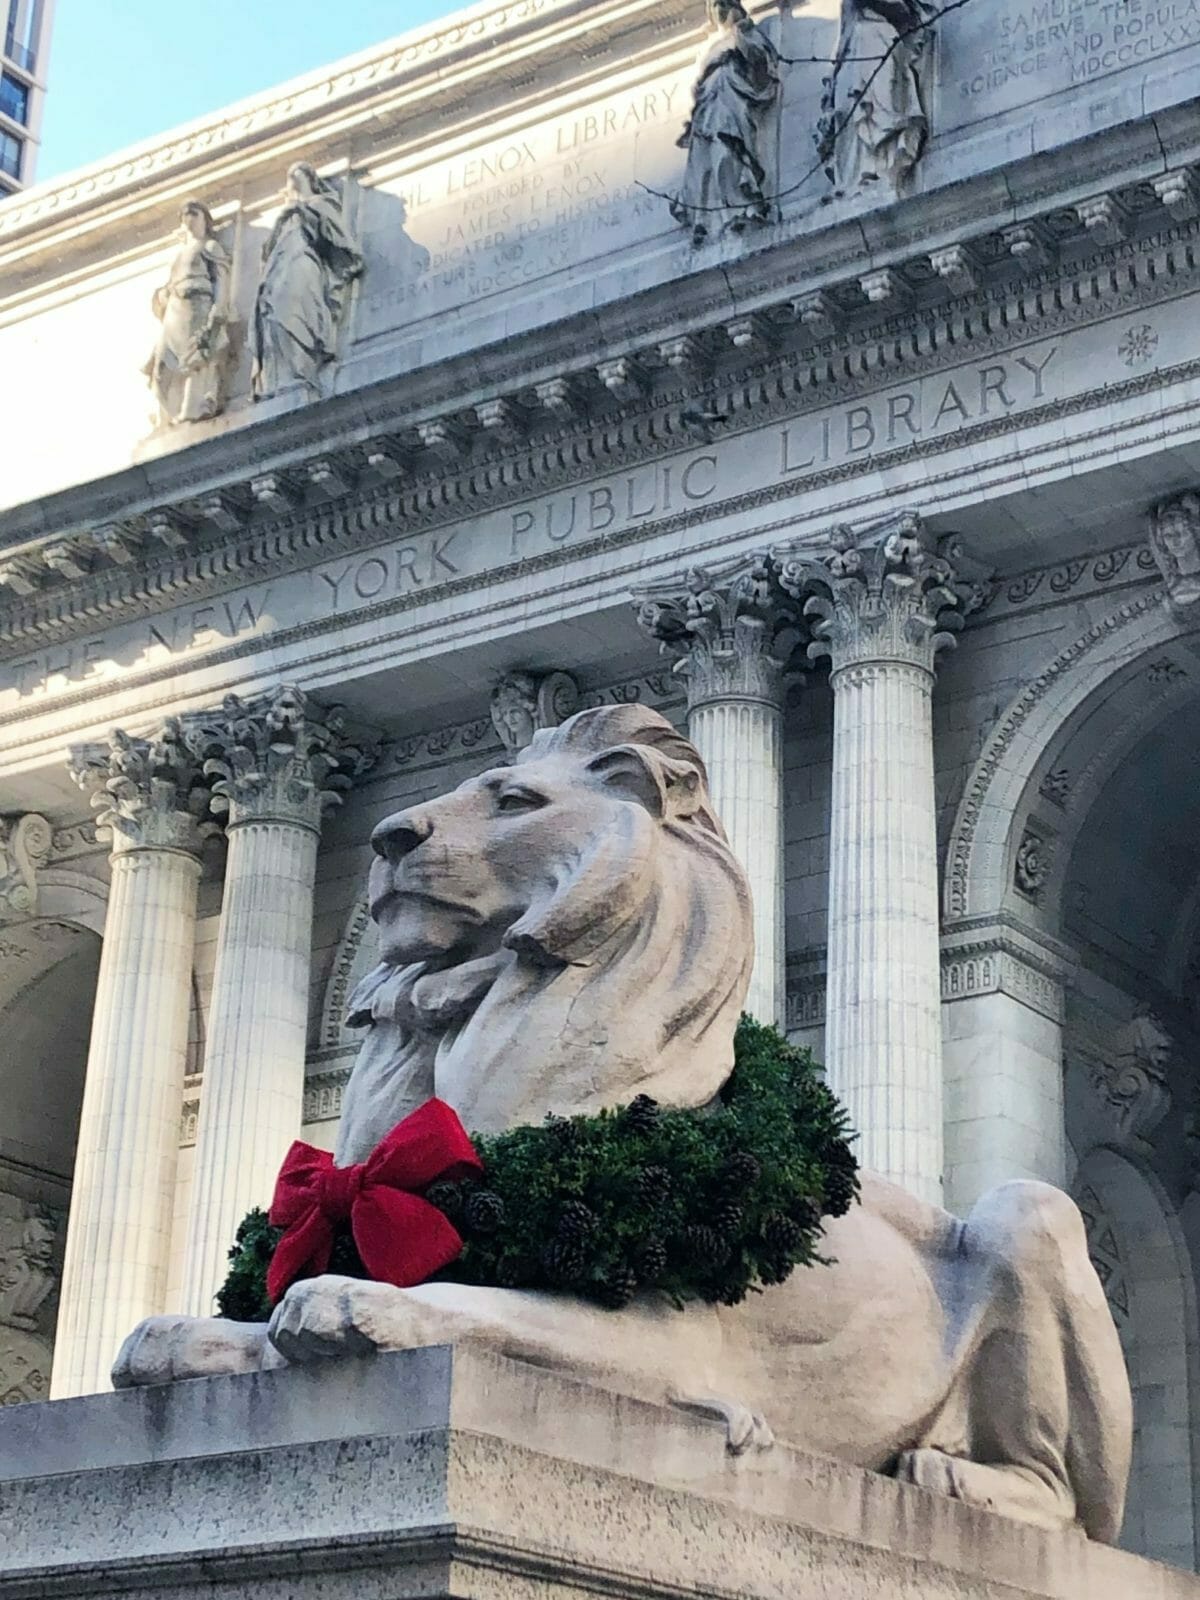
[{"x": 437, "y": 1473}]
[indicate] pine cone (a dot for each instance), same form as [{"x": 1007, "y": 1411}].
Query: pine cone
[
  {"x": 740, "y": 1172},
  {"x": 806, "y": 1213},
  {"x": 576, "y": 1221},
  {"x": 564, "y": 1260},
  {"x": 651, "y": 1260},
  {"x": 641, "y": 1114},
  {"x": 781, "y": 1234},
  {"x": 654, "y": 1185},
  {"x": 447, "y": 1197},
  {"x": 618, "y": 1288},
  {"x": 567, "y": 1131},
  {"x": 705, "y": 1244},
  {"x": 483, "y": 1211},
  {"x": 727, "y": 1215}
]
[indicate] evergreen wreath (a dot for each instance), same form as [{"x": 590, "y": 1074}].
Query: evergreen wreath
[{"x": 706, "y": 1204}]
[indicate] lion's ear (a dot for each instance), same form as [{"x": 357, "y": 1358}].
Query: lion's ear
[{"x": 668, "y": 789}]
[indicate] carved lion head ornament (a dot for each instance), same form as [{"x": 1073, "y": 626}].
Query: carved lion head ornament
[{"x": 563, "y": 933}]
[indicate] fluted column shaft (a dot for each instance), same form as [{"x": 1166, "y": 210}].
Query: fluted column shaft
[
  {"x": 883, "y": 1000},
  {"x": 742, "y": 745},
  {"x": 733, "y": 633},
  {"x": 253, "y": 1090},
  {"x": 880, "y": 606},
  {"x": 277, "y": 764},
  {"x": 122, "y": 1200}
]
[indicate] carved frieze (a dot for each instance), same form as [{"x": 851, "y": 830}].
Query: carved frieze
[
  {"x": 25, "y": 846},
  {"x": 1129, "y": 1079},
  {"x": 525, "y": 702},
  {"x": 1174, "y": 528},
  {"x": 26, "y": 1267}
]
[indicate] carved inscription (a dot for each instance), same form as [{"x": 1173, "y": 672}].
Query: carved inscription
[
  {"x": 509, "y": 213},
  {"x": 995, "y": 58}
]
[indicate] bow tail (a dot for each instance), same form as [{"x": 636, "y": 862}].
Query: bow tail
[
  {"x": 303, "y": 1251},
  {"x": 402, "y": 1238}
]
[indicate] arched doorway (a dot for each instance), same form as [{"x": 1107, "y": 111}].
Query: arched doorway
[{"x": 48, "y": 969}]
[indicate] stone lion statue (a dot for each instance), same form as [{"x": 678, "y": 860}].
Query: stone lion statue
[{"x": 561, "y": 934}]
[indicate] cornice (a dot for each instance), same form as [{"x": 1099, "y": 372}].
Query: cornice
[{"x": 349, "y": 487}]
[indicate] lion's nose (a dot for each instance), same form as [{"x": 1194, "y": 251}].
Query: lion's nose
[{"x": 396, "y": 836}]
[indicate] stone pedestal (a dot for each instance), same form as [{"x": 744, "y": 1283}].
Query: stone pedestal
[
  {"x": 440, "y": 1473},
  {"x": 118, "y": 1238},
  {"x": 879, "y": 608},
  {"x": 278, "y": 765},
  {"x": 732, "y": 633}
]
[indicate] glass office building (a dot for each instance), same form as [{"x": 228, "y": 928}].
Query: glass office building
[{"x": 24, "y": 49}]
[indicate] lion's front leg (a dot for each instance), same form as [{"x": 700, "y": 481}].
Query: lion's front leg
[
  {"x": 649, "y": 1350},
  {"x": 165, "y": 1349}
]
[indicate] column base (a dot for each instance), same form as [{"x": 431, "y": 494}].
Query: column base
[{"x": 434, "y": 1472}]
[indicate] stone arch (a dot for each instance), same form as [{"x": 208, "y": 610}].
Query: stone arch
[
  {"x": 354, "y": 959},
  {"x": 980, "y": 847},
  {"x": 1138, "y": 1248}
]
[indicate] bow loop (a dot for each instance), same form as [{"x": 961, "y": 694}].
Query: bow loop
[{"x": 401, "y": 1238}]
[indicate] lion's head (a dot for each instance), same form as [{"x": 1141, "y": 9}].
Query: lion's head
[{"x": 567, "y": 931}]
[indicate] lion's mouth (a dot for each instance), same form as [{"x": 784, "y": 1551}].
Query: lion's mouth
[{"x": 393, "y": 897}]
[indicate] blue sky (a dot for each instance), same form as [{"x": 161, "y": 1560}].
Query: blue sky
[{"x": 124, "y": 70}]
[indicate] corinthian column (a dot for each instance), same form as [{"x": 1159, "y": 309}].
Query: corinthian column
[
  {"x": 279, "y": 764},
  {"x": 149, "y": 794},
  {"x": 733, "y": 633},
  {"x": 881, "y": 607}
]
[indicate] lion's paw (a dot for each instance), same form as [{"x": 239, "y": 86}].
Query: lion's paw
[
  {"x": 744, "y": 1429},
  {"x": 165, "y": 1349},
  {"x": 335, "y": 1316},
  {"x": 1013, "y": 1491}
]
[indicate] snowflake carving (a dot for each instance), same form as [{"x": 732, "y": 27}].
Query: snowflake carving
[{"x": 1138, "y": 345}]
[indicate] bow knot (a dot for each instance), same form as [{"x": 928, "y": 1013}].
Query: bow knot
[
  {"x": 401, "y": 1238},
  {"x": 337, "y": 1190}
]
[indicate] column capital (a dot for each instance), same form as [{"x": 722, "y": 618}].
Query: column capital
[
  {"x": 278, "y": 757},
  {"x": 523, "y": 703},
  {"x": 884, "y": 595},
  {"x": 149, "y": 793},
  {"x": 732, "y": 631},
  {"x": 25, "y": 843}
]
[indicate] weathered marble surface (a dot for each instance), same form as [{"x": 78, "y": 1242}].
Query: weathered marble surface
[
  {"x": 464, "y": 1473},
  {"x": 561, "y": 934}
]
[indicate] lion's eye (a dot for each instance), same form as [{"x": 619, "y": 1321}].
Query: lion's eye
[{"x": 518, "y": 800}]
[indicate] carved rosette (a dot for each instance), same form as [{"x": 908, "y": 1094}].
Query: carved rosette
[
  {"x": 882, "y": 597},
  {"x": 149, "y": 794},
  {"x": 524, "y": 703},
  {"x": 1174, "y": 529},
  {"x": 25, "y": 844},
  {"x": 731, "y": 631},
  {"x": 279, "y": 757}
]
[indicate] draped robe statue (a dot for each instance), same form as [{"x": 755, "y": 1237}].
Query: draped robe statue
[
  {"x": 874, "y": 123},
  {"x": 309, "y": 263},
  {"x": 724, "y": 184},
  {"x": 186, "y": 366}
]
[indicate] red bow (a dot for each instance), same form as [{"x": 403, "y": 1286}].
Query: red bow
[{"x": 401, "y": 1237}]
